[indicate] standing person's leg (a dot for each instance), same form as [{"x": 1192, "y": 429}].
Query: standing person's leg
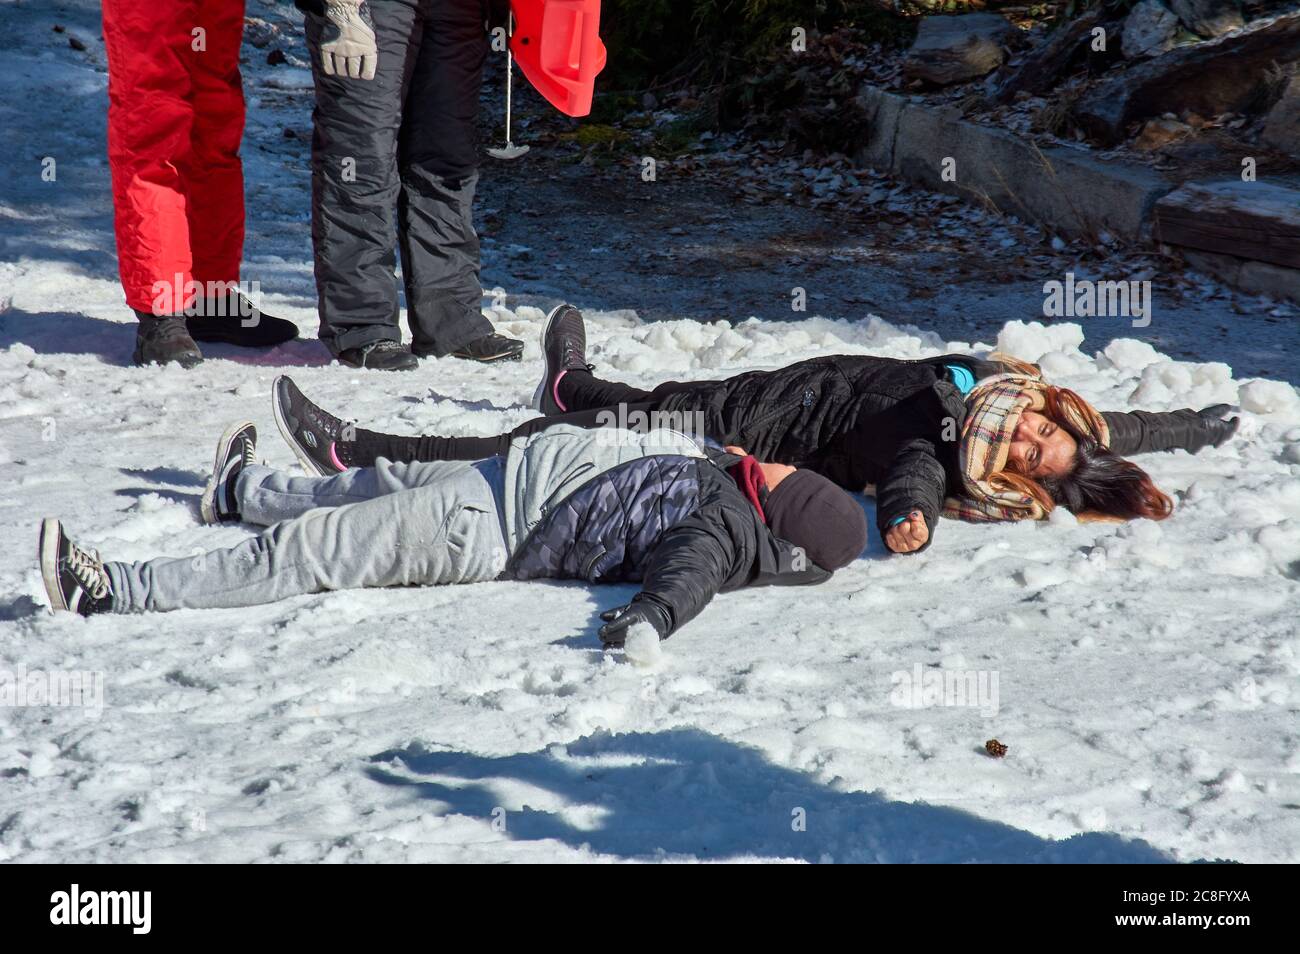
[
  {"x": 448, "y": 531},
  {"x": 355, "y": 186},
  {"x": 214, "y": 173},
  {"x": 214, "y": 177},
  {"x": 438, "y": 159},
  {"x": 150, "y": 114}
]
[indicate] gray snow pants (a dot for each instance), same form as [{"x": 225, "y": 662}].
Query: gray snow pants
[
  {"x": 399, "y": 154},
  {"x": 388, "y": 525}
]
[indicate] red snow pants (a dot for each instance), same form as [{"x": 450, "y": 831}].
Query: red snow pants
[{"x": 175, "y": 119}]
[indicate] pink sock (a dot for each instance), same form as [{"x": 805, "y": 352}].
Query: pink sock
[
  {"x": 334, "y": 458},
  {"x": 555, "y": 390}
]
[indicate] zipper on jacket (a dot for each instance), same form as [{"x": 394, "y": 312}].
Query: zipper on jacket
[
  {"x": 542, "y": 513},
  {"x": 545, "y": 508},
  {"x": 803, "y": 401},
  {"x": 589, "y": 564}
]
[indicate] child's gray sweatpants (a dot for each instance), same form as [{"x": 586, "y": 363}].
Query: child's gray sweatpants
[{"x": 394, "y": 524}]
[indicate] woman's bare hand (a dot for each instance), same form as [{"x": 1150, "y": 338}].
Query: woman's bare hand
[{"x": 909, "y": 535}]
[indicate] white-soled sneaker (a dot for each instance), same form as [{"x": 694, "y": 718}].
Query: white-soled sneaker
[
  {"x": 309, "y": 430},
  {"x": 235, "y": 451},
  {"x": 564, "y": 345},
  {"x": 75, "y": 578}
]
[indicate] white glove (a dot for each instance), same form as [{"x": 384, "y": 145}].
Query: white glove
[{"x": 348, "y": 45}]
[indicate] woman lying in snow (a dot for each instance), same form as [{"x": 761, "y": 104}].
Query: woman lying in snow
[
  {"x": 957, "y": 435},
  {"x": 606, "y": 506}
]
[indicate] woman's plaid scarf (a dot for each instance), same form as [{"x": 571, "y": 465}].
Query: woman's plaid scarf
[{"x": 993, "y": 410}]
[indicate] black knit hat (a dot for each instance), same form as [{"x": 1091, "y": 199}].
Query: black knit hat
[{"x": 814, "y": 514}]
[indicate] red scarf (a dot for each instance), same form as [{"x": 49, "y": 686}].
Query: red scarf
[{"x": 749, "y": 478}]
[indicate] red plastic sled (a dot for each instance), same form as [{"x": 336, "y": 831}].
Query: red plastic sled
[{"x": 557, "y": 45}]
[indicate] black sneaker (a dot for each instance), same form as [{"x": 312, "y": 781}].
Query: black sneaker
[
  {"x": 75, "y": 578},
  {"x": 310, "y": 431},
  {"x": 381, "y": 356},
  {"x": 564, "y": 344},
  {"x": 236, "y": 320},
  {"x": 164, "y": 340},
  {"x": 488, "y": 348},
  {"x": 235, "y": 451}
]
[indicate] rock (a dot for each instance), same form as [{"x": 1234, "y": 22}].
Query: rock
[
  {"x": 1250, "y": 220},
  {"x": 1210, "y": 78},
  {"x": 276, "y": 57},
  {"x": 1160, "y": 132},
  {"x": 1067, "y": 191},
  {"x": 956, "y": 49},
  {"x": 1208, "y": 17},
  {"x": 259, "y": 32},
  {"x": 1254, "y": 278},
  {"x": 1149, "y": 30},
  {"x": 913, "y": 8},
  {"x": 880, "y": 112},
  {"x": 1050, "y": 59},
  {"x": 1282, "y": 127}
]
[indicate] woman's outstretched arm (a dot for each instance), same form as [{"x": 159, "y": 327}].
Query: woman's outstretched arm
[{"x": 1141, "y": 432}]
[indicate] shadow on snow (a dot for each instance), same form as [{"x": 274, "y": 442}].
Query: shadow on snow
[{"x": 685, "y": 793}]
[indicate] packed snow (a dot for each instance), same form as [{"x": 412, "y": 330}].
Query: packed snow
[{"x": 1143, "y": 675}]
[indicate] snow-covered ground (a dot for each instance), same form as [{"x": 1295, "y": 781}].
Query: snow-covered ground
[{"x": 1145, "y": 674}]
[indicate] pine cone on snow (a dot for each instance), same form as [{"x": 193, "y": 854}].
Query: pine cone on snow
[{"x": 995, "y": 748}]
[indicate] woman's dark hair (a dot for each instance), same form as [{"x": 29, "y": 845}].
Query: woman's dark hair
[{"x": 1101, "y": 483}]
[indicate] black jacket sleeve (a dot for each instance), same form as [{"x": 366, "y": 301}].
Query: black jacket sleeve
[
  {"x": 694, "y": 559},
  {"x": 719, "y": 548},
  {"x": 1141, "y": 432},
  {"x": 916, "y": 480}
]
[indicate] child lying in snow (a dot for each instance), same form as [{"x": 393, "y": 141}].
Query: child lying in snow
[{"x": 565, "y": 503}]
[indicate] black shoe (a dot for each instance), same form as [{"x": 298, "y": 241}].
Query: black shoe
[
  {"x": 564, "y": 345},
  {"x": 308, "y": 430},
  {"x": 75, "y": 578},
  {"x": 235, "y": 451},
  {"x": 164, "y": 340},
  {"x": 236, "y": 320},
  {"x": 490, "y": 347},
  {"x": 380, "y": 356}
]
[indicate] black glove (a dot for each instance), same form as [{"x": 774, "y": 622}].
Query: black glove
[
  {"x": 622, "y": 618},
  {"x": 1217, "y": 430}
]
